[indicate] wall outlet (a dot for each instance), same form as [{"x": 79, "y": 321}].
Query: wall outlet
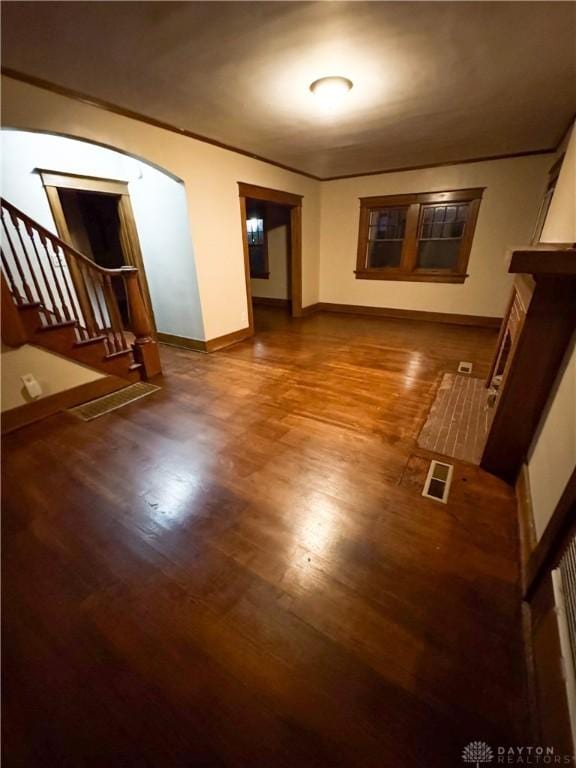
[{"x": 31, "y": 386}]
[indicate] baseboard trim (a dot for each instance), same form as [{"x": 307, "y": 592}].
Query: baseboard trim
[
  {"x": 409, "y": 314},
  {"x": 526, "y": 525},
  {"x": 36, "y": 410},
  {"x": 220, "y": 342},
  {"x": 212, "y": 345},
  {"x": 181, "y": 341},
  {"x": 264, "y": 301},
  {"x": 311, "y": 309}
]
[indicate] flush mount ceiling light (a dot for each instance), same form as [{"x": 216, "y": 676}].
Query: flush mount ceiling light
[{"x": 331, "y": 90}]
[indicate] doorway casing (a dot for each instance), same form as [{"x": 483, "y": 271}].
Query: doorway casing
[
  {"x": 294, "y": 203},
  {"x": 54, "y": 180}
]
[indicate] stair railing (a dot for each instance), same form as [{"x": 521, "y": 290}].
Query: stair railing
[{"x": 67, "y": 287}]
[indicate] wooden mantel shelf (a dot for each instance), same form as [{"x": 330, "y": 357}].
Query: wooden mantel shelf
[{"x": 544, "y": 259}]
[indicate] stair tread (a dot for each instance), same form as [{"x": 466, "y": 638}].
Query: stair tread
[
  {"x": 121, "y": 353},
  {"x": 88, "y": 342},
  {"x": 57, "y": 326}
]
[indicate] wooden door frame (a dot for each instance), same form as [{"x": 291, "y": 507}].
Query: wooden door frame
[
  {"x": 55, "y": 180},
  {"x": 294, "y": 202}
]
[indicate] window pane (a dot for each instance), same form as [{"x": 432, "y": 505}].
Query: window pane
[
  {"x": 388, "y": 223},
  {"x": 386, "y": 228},
  {"x": 438, "y": 254},
  {"x": 255, "y": 231},
  {"x": 441, "y": 230},
  {"x": 384, "y": 253},
  {"x": 257, "y": 260}
]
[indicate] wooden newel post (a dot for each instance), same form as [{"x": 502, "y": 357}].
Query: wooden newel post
[
  {"x": 13, "y": 331},
  {"x": 145, "y": 347}
]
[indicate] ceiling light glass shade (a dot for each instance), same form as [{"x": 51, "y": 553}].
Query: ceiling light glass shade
[
  {"x": 331, "y": 90},
  {"x": 331, "y": 85}
]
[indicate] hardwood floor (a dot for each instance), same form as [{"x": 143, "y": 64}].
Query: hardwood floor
[{"x": 240, "y": 569}]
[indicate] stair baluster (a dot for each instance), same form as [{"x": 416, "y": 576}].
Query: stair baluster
[
  {"x": 115, "y": 318},
  {"x": 47, "y": 276},
  {"x": 10, "y": 279},
  {"x": 61, "y": 312},
  {"x": 26, "y": 254},
  {"x": 14, "y": 254}
]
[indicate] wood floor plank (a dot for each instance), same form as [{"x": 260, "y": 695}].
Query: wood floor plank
[{"x": 241, "y": 569}]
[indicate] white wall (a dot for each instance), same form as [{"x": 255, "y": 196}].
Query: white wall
[
  {"x": 210, "y": 175},
  {"x": 277, "y": 286},
  {"x": 552, "y": 456},
  {"x": 514, "y": 189},
  {"x": 158, "y": 201}
]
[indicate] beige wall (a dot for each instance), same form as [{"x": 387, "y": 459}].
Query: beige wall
[
  {"x": 277, "y": 285},
  {"x": 552, "y": 456},
  {"x": 210, "y": 175},
  {"x": 53, "y": 373},
  {"x": 560, "y": 224},
  {"x": 514, "y": 189}
]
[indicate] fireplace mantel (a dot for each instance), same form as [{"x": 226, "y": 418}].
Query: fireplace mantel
[{"x": 534, "y": 337}]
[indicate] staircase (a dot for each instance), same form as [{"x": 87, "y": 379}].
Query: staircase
[{"x": 55, "y": 297}]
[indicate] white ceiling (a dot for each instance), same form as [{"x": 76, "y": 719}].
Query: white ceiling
[{"x": 433, "y": 81}]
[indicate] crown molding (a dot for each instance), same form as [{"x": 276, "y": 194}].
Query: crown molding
[
  {"x": 108, "y": 106},
  {"x": 118, "y": 110},
  {"x": 446, "y": 163}
]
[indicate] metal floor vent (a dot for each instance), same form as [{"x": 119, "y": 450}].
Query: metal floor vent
[
  {"x": 438, "y": 481},
  {"x": 112, "y": 402},
  {"x": 464, "y": 367}
]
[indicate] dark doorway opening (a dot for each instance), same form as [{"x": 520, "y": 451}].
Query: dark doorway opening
[
  {"x": 95, "y": 216},
  {"x": 269, "y": 252},
  {"x": 257, "y": 203},
  {"x": 94, "y": 225},
  {"x": 93, "y": 222}
]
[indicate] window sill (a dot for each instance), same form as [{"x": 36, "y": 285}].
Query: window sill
[
  {"x": 413, "y": 277},
  {"x": 263, "y": 276}
]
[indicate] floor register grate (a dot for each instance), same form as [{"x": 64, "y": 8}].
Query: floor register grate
[
  {"x": 103, "y": 405},
  {"x": 438, "y": 481}
]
